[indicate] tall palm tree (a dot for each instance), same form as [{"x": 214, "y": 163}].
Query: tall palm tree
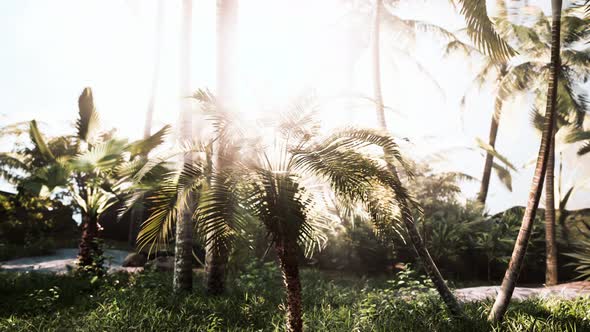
[
  {"x": 138, "y": 213},
  {"x": 401, "y": 196},
  {"x": 183, "y": 273},
  {"x": 216, "y": 256},
  {"x": 508, "y": 80},
  {"x": 571, "y": 105},
  {"x": 516, "y": 261}
]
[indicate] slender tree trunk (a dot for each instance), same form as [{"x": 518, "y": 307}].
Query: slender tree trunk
[
  {"x": 89, "y": 249},
  {"x": 183, "y": 276},
  {"x": 427, "y": 261},
  {"x": 518, "y": 254},
  {"x": 147, "y": 129},
  {"x": 378, "y": 95},
  {"x": 407, "y": 216},
  {"x": 137, "y": 214},
  {"x": 217, "y": 255},
  {"x": 550, "y": 243},
  {"x": 287, "y": 253},
  {"x": 487, "y": 168}
]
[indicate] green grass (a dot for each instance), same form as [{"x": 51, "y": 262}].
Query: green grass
[{"x": 254, "y": 302}]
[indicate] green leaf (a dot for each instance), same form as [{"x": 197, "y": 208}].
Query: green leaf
[
  {"x": 39, "y": 142},
  {"x": 88, "y": 120},
  {"x": 482, "y": 32},
  {"x": 489, "y": 149}
]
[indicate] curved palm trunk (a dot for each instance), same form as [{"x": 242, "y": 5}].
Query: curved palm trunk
[
  {"x": 183, "y": 277},
  {"x": 216, "y": 259},
  {"x": 407, "y": 216},
  {"x": 431, "y": 269},
  {"x": 487, "y": 168},
  {"x": 550, "y": 243},
  {"x": 287, "y": 253},
  {"x": 89, "y": 249},
  {"x": 516, "y": 261}
]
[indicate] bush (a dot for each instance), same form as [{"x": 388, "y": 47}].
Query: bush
[{"x": 29, "y": 225}]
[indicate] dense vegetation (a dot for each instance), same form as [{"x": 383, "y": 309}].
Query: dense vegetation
[
  {"x": 364, "y": 236},
  {"x": 255, "y": 302}
]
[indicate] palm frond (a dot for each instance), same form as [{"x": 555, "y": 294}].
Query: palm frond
[
  {"x": 577, "y": 135},
  {"x": 88, "y": 120},
  {"x": 39, "y": 142},
  {"x": 163, "y": 209},
  {"x": 144, "y": 146},
  {"x": 585, "y": 149},
  {"x": 537, "y": 119},
  {"x": 504, "y": 175},
  {"x": 15, "y": 129},
  {"x": 565, "y": 199},
  {"x": 482, "y": 32},
  {"x": 489, "y": 149},
  {"x": 165, "y": 202},
  {"x": 100, "y": 158}
]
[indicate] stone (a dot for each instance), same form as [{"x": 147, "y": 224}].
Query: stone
[
  {"x": 161, "y": 264},
  {"x": 135, "y": 260}
]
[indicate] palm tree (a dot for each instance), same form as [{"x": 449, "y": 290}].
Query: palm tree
[
  {"x": 508, "y": 80},
  {"x": 281, "y": 185},
  {"x": 183, "y": 272},
  {"x": 88, "y": 165},
  {"x": 138, "y": 213},
  {"x": 516, "y": 261},
  {"x": 478, "y": 25},
  {"x": 570, "y": 106},
  {"x": 227, "y": 10}
]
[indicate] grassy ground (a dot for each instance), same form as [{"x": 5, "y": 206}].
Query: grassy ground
[{"x": 254, "y": 302}]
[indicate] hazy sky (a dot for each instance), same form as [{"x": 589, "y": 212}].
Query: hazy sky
[{"x": 53, "y": 49}]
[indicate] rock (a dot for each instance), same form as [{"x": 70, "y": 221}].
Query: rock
[
  {"x": 135, "y": 260},
  {"x": 162, "y": 263}
]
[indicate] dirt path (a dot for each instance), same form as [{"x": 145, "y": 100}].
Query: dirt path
[
  {"x": 63, "y": 260},
  {"x": 569, "y": 290}
]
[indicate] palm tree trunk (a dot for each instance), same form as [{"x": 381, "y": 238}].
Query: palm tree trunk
[
  {"x": 550, "y": 243},
  {"x": 429, "y": 265},
  {"x": 378, "y": 95},
  {"x": 183, "y": 276},
  {"x": 147, "y": 129},
  {"x": 517, "y": 259},
  {"x": 89, "y": 249},
  {"x": 287, "y": 253},
  {"x": 215, "y": 266},
  {"x": 487, "y": 168},
  {"x": 137, "y": 214},
  {"x": 217, "y": 255},
  {"x": 407, "y": 216}
]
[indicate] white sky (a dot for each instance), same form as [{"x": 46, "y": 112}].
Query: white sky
[{"x": 51, "y": 50}]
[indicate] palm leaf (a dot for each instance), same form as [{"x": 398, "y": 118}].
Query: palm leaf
[
  {"x": 482, "y": 32},
  {"x": 39, "y": 142},
  {"x": 144, "y": 146},
  {"x": 88, "y": 120},
  {"x": 489, "y": 149},
  {"x": 504, "y": 175}
]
